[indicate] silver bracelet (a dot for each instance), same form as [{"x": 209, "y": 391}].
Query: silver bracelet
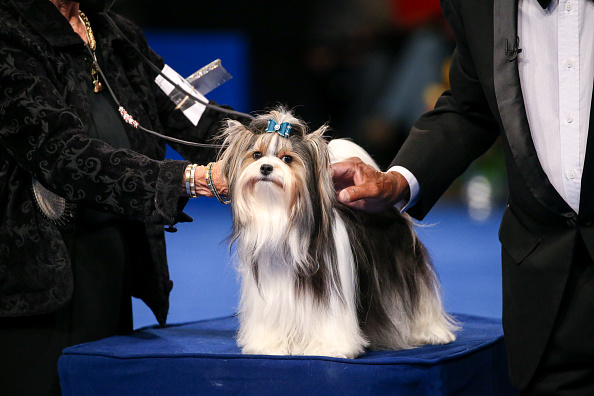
[
  {"x": 188, "y": 173},
  {"x": 192, "y": 181}
]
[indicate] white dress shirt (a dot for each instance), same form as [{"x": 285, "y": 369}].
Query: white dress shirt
[
  {"x": 556, "y": 73},
  {"x": 556, "y": 69}
]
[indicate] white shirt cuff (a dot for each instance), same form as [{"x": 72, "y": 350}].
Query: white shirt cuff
[{"x": 413, "y": 185}]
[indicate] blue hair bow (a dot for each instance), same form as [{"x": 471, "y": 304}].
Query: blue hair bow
[{"x": 283, "y": 129}]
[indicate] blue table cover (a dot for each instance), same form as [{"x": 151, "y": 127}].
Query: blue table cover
[{"x": 202, "y": 358}]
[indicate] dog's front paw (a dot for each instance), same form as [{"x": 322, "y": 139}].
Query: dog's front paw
[
  {"x": 269, "y": 349},
  {"x": 434, "y": 335},
  {"x": 263, "y": 351},
  {"x": 337, "y": 351},
  {"x": 335, "y": 354}
]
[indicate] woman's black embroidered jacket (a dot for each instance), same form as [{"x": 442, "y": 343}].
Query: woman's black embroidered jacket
[{"x": 44, "y": 84}]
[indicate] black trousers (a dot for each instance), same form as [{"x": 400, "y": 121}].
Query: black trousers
[
  {"x": 567, "y": 367},
  {"x": 100, "y": 307}
]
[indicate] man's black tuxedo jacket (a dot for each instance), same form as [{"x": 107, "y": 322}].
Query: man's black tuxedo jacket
[{"x": 538, "y": 230}]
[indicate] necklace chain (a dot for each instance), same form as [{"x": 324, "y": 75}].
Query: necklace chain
[{"x": 97, "y": 86}]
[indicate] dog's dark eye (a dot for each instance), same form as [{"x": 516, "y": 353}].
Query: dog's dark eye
[
  {"x": 287, "y": 159},
  {"x": 257, "y": 155}
]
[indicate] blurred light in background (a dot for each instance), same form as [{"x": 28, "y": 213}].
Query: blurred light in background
[{"x": 478, "y": 196}]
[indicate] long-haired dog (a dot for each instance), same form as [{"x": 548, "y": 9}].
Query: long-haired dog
[{"x": 318, "y": 278}]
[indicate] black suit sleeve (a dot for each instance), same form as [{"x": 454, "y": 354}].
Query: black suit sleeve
[{"x": 444, "y": 141}]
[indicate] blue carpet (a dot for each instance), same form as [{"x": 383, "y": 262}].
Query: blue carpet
[
  {"x": 202, "y": 358},
  {"x": 465, "y": 253},
  {"x": 467, "y": 256}
]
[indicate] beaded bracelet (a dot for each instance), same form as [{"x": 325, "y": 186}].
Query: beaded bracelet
[{"x": 211, "y": 185}]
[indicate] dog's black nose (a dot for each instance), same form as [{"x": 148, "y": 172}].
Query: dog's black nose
[{"x": 266, "y": 169}]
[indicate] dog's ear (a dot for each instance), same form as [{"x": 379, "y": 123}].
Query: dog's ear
[
  {"x": 319, "y": 146},
  {"x": 236, "y": 139},
  {"x": 233, "y": 130},
  {"x": 318, "y": 142}
]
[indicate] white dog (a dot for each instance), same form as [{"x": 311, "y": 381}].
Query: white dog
[{"x": 318, "y": 278}]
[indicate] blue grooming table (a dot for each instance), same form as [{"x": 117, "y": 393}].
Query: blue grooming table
[{"x": 202, "y": 358}]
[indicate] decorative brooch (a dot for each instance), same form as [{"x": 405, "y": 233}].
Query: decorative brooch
[{"x": 283, "y": 129}]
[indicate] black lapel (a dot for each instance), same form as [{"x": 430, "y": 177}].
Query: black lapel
[{"x": 511, "y": 107}]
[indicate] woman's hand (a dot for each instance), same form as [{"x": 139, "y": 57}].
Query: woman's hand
[
  {"x": 201, "y": 186},
  {"x": 220, "y": 183}
]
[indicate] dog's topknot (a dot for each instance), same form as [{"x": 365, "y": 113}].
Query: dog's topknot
[{"x": 279, "y": 115}]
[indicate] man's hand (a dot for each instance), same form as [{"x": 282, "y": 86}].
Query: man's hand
[{"x": 362, "y": 187}]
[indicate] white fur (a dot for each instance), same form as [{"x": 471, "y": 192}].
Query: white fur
[
  {"x": 277, "y": 320},
  {"x": 273, "y": 223},
  {"x": 341, "y": 149},
  {"x": 431, "y": 325}
]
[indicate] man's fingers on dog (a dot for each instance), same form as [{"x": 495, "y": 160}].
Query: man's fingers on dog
[
  {"x": 362, "y": 205},
  {"x": 343, "y": 170},
  {"x": 343, "y": 175},
  {"x": 356, "y": 193},
  {"x": 344, "y": 197},
  {"x": 352, "y": 194}
]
